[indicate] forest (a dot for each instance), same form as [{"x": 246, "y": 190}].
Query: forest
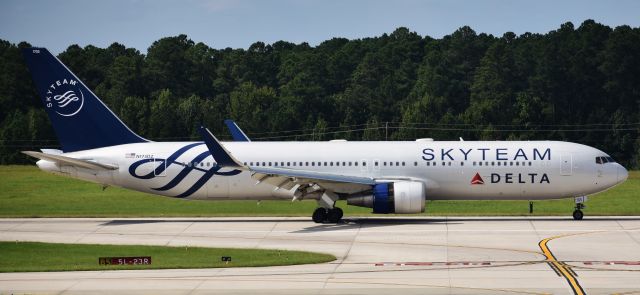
[{"x": 573, "y": 84}]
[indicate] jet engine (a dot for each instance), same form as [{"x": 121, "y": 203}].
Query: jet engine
[{"x": 403, "y": 197}]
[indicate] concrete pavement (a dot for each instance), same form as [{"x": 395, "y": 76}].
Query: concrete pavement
[{"x": 598, "y": 255}]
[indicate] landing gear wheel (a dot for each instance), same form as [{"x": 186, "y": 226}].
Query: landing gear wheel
[
  {"x": 577, "y": 215},
  {"x": 320, "y": 215},
  {"x": 334, "y": 215}
]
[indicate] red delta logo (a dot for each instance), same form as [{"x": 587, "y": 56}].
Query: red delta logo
[{"x": 477, "y": 179}]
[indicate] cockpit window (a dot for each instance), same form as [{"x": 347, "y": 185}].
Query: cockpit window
[{"x": 604, "y": 160}]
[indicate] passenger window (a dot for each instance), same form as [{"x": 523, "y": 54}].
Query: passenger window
[
  {"x": 480, "y": 163},
  {"x": 415, "y": 163},
  {"x": 364, "y": 163},
  {"x": 356, "y": 163},
  {"x": 428, "y": 163},
  {"x": 397, "y": 163},
  {"x": 402, "y": 163},
  {"x": 461, "y": 163},
  {"x": 375, "y": 164}
]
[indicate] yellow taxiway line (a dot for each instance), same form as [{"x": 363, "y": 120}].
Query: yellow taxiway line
[{"x": 560, "y": 267}]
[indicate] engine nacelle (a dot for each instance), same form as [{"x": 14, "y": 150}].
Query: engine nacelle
[{"x": 402, "y": 197}]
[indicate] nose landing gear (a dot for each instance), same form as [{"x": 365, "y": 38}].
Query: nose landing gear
[{"x": 577, "y": 213}]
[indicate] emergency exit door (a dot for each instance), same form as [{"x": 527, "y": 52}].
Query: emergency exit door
[{"x": 566, "y": 165}]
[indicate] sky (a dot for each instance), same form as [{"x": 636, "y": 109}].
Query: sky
[{"x": 240, "y": 23}]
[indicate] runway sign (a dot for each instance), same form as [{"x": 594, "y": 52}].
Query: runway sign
[{"x": 124, "y": 260}]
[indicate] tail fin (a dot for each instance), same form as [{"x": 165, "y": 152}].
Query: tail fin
[{"x": 80, "y": 119}]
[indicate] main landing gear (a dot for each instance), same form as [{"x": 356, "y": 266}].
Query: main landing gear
[
  {"x": 328, "y": 212},
  {"x": 577, "y": 213},
  {"x": 324, "y": 215}
]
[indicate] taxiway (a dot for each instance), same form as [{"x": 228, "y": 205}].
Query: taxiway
[{"x": 515, "y": 255}]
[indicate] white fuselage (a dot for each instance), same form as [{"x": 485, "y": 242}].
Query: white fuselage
[{"x": 507, "y": 170}]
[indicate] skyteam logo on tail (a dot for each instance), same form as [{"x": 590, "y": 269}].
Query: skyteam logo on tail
[{"x": 64, "y": 97}]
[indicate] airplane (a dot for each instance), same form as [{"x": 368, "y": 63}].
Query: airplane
[{"x": 388, "y": 177}]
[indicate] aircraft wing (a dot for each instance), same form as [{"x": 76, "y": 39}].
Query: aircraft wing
[
  {"x": 312, "y": 175},
  {"x": 236, "y": 132},
  {"x": 63, "y": 160},
  {"x": 280, "y": 177}
]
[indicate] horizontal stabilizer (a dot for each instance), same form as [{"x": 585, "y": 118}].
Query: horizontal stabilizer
[{"x": 63, "y": 160}]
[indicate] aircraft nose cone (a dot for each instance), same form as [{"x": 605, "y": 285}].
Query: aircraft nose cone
[{"x": 622, "y": 174}]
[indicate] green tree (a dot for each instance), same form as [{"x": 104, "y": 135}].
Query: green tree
[{"x": 163, "y": 118}]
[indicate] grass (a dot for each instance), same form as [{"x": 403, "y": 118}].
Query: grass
[
  {"x": 30, "y": 256},
  {"x": 26, "y": 191}
]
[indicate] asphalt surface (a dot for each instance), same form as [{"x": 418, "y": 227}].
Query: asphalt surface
[{"x": 454, "y": 255}]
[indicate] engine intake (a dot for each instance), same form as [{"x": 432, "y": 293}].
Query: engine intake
[{"x": 404, "y": 197}]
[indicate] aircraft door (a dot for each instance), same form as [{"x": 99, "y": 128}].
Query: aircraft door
[{"x": 566, "y": 165}]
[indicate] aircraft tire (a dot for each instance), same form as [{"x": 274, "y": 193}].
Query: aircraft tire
[
  {"x": 320, "y": 215},
  {"x": 334, "y": 215},
  {"x": 577, "y": 215}
]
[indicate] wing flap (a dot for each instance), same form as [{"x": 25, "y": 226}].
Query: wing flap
[{"x": 301, "y": 175}]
